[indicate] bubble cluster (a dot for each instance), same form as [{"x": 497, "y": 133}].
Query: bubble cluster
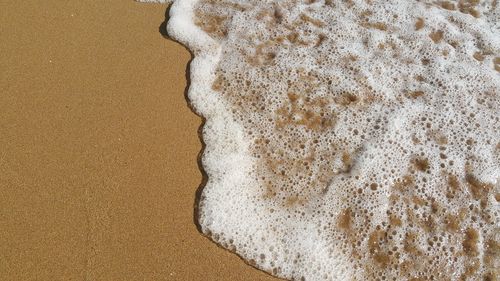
[{"x": 371, "y": 134}]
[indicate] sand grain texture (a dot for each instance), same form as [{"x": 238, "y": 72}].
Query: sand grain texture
[{"x": 98, "y": 148}]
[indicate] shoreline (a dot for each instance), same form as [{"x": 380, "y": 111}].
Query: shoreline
[{"x": 100, "y": 149}]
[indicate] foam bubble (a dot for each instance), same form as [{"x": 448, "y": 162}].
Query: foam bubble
[{"x": 349, "y": 140}]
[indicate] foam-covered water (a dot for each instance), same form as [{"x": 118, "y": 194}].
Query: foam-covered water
[{"x": 349, "y": 140}]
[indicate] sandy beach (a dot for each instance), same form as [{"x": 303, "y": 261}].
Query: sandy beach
[{"x": 98, "y": 148}]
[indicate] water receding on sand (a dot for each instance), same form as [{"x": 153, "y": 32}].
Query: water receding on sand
[{"x": 349, "y": 140}]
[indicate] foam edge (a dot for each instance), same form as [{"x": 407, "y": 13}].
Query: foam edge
[{"x": 225, "y": 157}]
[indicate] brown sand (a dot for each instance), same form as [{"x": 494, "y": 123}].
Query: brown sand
[{"x": 98, "y": 148}]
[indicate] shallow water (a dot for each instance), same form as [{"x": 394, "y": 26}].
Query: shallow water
[{"x": 349, "y": 139}]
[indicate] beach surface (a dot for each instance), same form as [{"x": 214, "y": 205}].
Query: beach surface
[{"x": 98, "y": 148}]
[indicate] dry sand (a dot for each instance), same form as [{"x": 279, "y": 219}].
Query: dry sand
[{"x": 98, "y": 148}]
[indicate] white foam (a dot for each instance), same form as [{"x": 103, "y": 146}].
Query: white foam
[
  {"x": 156, "y": 1},
  {"x": 349, "y": 139}
]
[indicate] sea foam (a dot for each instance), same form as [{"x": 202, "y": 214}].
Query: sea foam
[{"x": 349, "y": 140}]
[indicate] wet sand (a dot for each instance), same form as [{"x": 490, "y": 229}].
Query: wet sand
[{"x": 98, "y": 148}]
